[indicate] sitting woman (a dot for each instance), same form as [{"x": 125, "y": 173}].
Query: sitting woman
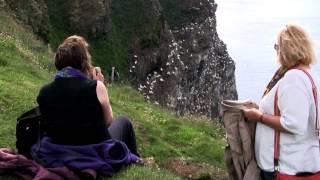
[{"x": 75, "y": 106}]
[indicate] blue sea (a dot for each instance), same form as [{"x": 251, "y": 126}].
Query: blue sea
[{"x": 249, "y": 28}]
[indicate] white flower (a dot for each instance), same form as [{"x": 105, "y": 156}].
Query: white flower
[
  {"x": 161, "y": 79},
  {"x": 135, "y": 56}
]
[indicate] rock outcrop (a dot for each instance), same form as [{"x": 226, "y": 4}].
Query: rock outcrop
[
  {"x": 190, "y": 69},
  {"x": 89, "y": 18}
]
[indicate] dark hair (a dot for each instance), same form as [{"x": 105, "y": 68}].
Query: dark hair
[{"x": 73, "y": 52}]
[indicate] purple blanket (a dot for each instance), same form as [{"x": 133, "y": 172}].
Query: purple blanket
[
  {"x": 16, "y": 164},
  {"x": 106, "y": 157}
]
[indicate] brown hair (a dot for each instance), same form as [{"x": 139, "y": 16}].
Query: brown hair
[
  {"x": 295, "y": 47},
  {"x": 73, "y": 52}
]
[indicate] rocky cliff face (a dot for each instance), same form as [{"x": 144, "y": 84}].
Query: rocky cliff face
[
  {"x": 190, "y": 69},
  {"x": 91, "y": 18},
  {"x": 175, "y": 53},
  {"x": 88, "y": 18}
]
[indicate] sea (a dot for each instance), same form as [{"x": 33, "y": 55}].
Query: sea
[{"x": 249, "y": 29}]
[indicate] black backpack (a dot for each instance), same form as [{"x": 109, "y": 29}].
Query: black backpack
[{"x": 28, "y": 131}]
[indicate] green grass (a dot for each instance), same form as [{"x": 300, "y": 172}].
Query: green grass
[
  {"x": 162, "y": 135},
  {"x": 26, "y": 64},
  {"x": 144, "y": 173}
]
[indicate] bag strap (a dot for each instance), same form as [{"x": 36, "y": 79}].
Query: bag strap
[
  {"x": 276, "y": 152},
  {"x": 277, "y": 113},
  {"x": 315, "y": 97}
]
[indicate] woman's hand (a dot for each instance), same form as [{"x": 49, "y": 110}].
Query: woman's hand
[
  {"x": 252, "y": 114},
  {"x": 97, "y": 74},
  {"x": 253, "y": 105}
]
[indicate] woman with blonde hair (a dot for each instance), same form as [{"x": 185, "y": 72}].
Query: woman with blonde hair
[
  {"x": 75, "y": 106},
  {"x": 287, "y": 132}
]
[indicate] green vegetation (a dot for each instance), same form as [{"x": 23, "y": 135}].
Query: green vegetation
[
  {"x": 173, "y": 12},
  {"x": 26, "y": 64},
  {"x": 112, "y": 50},
  {"x": 162, "y": 135},
  {"x": 144, "y": 173},
  {"x": 177, "y": 15},
  {"x": 58, "y": 26}
]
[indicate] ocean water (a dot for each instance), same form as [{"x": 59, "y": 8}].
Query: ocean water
[{"x": 249, "y": 28}]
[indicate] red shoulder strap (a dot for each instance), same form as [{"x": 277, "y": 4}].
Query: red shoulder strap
[
  {"x": 277, "y": 113},
  {"x": 276, "y": 152},
  {"x": 315, "y": 97}
]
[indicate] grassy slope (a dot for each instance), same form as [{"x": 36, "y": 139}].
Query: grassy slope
[{"x": 25, "y": 65}]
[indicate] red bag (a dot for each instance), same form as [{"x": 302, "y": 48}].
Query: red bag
[{"x": 279, "y": 175}]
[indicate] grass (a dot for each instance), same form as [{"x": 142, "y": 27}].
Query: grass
[
  {"x": 162, "y": 135},
  {"x": 26, "y": 64}
]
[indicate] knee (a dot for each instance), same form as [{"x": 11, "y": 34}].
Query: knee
[{"x": 125, "y": 121}]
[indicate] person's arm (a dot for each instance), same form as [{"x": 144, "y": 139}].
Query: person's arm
[
  {"x": 103, "y": 98},
  {"x": 272, "y": 121},
  {"x": 293, "y": 102}
]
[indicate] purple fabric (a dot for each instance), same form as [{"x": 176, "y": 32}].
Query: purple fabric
[
  {"x": 106, "y": 157},
  {"x": 15, "y": 164},
  {"x": 69, "y": 72}
]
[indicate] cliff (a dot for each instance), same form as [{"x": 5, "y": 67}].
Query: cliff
[
  {"x": 170, "y": 48},
  {"x": 188, "y": 68}
]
